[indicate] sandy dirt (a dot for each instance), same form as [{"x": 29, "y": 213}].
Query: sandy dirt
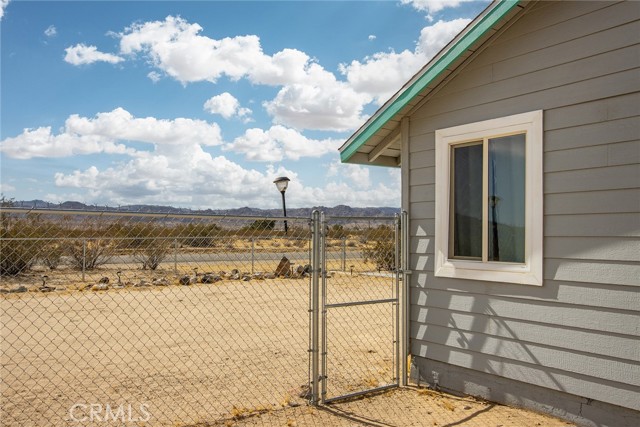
[
  {"x": 187, "y": 353},
  {"x": 229, "y": 353}
]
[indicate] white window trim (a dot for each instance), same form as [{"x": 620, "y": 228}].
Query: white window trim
[{"x": 529, "y": 273}]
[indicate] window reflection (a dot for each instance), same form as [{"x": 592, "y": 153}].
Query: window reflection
[
  {"x": 506, "y": 202},
  {"x": 467, "y": 201}
]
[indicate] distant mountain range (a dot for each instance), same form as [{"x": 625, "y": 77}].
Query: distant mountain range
[{"x": 340, "y": 210}]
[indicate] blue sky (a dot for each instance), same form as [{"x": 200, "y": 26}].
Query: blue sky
[{"x": 202, "y": 104}]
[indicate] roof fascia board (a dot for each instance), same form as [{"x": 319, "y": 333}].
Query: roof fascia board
[{"x": 430, "y": 73}]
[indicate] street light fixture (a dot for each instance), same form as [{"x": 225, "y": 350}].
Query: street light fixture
[{"x": 282, "y": 183}]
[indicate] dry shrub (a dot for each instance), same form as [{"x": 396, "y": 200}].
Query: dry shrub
[
  {"x": 89, "y": 253},
  {"x": 18, "y": 252},
  {"x": 51, "y": 255}
]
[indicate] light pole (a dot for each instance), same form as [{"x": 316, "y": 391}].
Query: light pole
[{"x": 282, "y": 183}]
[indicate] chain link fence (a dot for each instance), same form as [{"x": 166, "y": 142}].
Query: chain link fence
[{"x": 166, "y": 319}]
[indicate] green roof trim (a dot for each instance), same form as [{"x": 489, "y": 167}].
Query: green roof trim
[{"x": 480, "y": 28}]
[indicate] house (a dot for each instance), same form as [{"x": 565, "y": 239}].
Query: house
[{"x": 519, "y": 149}]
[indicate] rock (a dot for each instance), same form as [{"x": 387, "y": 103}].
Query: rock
[
  {"x": 104, "y": 280},
  {"x": 100, "y": 287},
  {"x": 305, "y": 391},
  {"x": 270, "y": 276},
  {"x": 234, "y": 276},
  {"x": 258, "y": 276},
  {"x": 284, "y": 268},
  {"x": 163, "y": 281},
  {"x": 120, "y": 286},
  {"x": 246, "y": 277},
  {"x": 185, "y": 280},
  {"x": 302, "y": 271},
  {"x": 142, "y": 283},
  {"x": 46, "y": 288},
  {"x": 210, "y": 278}
]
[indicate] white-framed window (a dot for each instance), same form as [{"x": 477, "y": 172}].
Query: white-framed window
[{"x": 489, "y": 200}]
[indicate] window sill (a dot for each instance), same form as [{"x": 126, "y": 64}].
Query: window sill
[{"x": 490, "y": 272}]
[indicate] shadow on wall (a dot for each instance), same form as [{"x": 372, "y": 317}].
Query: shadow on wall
[{"x": 459, "y": 326}]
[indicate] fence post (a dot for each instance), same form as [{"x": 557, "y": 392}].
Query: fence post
[
  {"x": 405, "y": 305},
  {"x": 175, "y": 256},
  {"x": 344, "y": 254},
  {"x": 315, "y": 308},
  {"x": 322, "y": 248},
  {"x": 84, "y": 257},
  {"x": 253, "y": 248},
  {"x": 397, "y": 254}
]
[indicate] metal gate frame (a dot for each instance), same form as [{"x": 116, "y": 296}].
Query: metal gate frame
[{"x": 318, "y": 309}]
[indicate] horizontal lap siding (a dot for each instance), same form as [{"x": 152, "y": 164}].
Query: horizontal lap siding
[{"x": 579, "y": 332}]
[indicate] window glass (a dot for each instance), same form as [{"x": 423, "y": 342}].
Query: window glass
[
  {"x": 506, "y": 204},
  {"x": 467, "y": 201}
]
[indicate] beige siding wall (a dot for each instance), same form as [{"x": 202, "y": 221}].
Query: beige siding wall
[{"x": 579, "y": 333}]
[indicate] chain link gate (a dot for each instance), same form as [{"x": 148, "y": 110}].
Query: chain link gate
[{"x": 357, "y": 315}]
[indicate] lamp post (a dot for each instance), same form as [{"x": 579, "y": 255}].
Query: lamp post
[{"x": 282, "y": 183}]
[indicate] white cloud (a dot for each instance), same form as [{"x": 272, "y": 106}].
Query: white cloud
[
  {"x": 82, "y": 54},
  {"x": 176, "y": 47},
  {"x": 372, "y": 37},
  {"x": 382, "y": 74},
  {"x": 226, "y": 105},
  {"x": 106, "y": 132},
  {"x": 311, "y": 97},
  {"x": 357, "y": 175},
  {"x": 50, "y": 31},
  {"x": 3, "y": 6},
  {"x": 278, "y": 143},
  {"x": 6, "y": 188},
  {"x": 199, "y": 180},
  {"x": 154, "y": 76},
  {"x": 41, "y": 142},
  {"x": 433, "y": 6},
  {"x": 435, "y": 37},
  {"x": 329, "y": 106}
]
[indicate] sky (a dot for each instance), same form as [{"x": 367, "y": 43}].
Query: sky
[{"x": 202, "y": 104}]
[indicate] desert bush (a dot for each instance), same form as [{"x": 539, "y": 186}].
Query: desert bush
[
  {"x": 89, "y": 253},
  {"x": 382, "y": 253},
  {"x": 298, "y": 232},
  {"x": 152, "y": 255},
  {"x": 262, "y": 224},
  {"x": 51, "y": 255},
  {"x": 16, "y": 255},
  {"x": 336, "y": 231},
  {"x": 17, "y": 252},
  {"x": 198, "y": 235}
]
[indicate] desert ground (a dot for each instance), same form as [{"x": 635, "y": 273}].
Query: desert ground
[
  {"x": 187, "y": 353},
  {"x": 232, "y": 352}
]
